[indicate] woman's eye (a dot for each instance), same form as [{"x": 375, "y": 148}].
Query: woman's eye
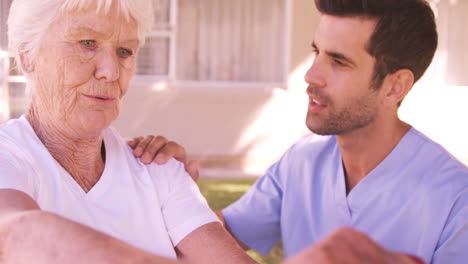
[
  {"x": 88, "y": 43},
  {"x": 124, "y": 53}
]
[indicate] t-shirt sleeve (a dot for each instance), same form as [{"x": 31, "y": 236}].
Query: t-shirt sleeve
[
  {"x": 13, "y": 174},
  {"x": 184, "y": 208},
  {"x": 255, "y": 218},
  {"x": 453, "y": 244}
]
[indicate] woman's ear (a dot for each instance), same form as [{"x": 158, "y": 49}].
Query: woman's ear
[
  {"x": 26, "y": 64},
  {"x": 400, "y": 83}
]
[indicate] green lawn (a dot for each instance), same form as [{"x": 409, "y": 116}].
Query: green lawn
[{"x": 222, "y": 192}]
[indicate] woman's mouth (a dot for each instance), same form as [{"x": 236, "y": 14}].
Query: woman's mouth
[{"x": 100, "y": 99}]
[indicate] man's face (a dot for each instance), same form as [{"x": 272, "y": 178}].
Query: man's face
[
  {"x": 83, "y": 69},
  {"x": 341, "y": 99}
]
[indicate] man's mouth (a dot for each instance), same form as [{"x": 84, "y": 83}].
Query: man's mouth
[
  {"x": 316, "y": 105},
  {"x": 315, "y": 101}
]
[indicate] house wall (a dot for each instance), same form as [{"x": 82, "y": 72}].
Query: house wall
[{"x": 228, "y": 125}]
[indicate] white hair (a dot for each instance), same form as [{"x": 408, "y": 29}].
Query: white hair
[{"x": 29, "y": 20}]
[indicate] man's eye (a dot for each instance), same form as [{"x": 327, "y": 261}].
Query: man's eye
[
  {"x": 339, "y": 63},
  {"x": 88, "y": 43},
  {"x": 124, "y": 53}
]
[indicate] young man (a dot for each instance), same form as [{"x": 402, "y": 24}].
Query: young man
[{"x": 363, "y": 167}]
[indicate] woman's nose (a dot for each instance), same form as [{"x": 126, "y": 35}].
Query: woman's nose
[{"x": 107, "y": 65}]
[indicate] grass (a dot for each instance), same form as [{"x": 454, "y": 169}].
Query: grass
[{"x": 221, "y": 193}]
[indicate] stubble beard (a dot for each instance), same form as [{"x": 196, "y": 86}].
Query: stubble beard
[{"x": 353, "y": 116}]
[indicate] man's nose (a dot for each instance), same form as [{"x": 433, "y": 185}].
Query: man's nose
[
  {"x": 315, "y": 76},
  {"x": 107, "y": 65}
]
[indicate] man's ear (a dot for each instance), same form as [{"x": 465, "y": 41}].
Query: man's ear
[
  {"x": 26, "y": 64},
  {"x": 399, "y": 84}
]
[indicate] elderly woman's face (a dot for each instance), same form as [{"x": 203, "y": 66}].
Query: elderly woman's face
[{"x": 84, "y": 68}]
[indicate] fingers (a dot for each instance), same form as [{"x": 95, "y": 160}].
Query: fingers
[
  {"x": 362, "y": 249},
  {"x": 346, "y": 245},
  {"x": 407, "y": 259},
  {"x": 153, "y": 147},
  {"x": 159, "y": 150},
  {"x": 141, "y": 146},
  {"x": 192, "y": 168},
  {"x": 134, "y": 142},
  {"x": 339, "y": 245},
  {"x": 171, "y": 150},
  {"x": 355, "y": 247}
]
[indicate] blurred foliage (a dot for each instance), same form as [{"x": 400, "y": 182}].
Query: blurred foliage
[{"x": 222, "y": 192}]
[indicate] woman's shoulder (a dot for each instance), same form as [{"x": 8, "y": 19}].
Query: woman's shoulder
[
  {"x": 17, "y": 138},
  {"x": 18, "y": 154},
  {"x": 15, "y": 130},
  {"x": 160, "y": 174},
  {"x": 168, "y": 174}
]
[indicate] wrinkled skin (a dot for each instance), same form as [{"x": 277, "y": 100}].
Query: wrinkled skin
[{"x": 82, "y": 72}]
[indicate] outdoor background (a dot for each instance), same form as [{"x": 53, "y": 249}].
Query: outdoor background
[
  {"x": 225, "y": 79},
  {"x": 222, "y": 192}
]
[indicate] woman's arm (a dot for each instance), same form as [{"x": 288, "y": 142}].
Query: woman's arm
[
  {"x": 211, "y": 243},
  {"x": 30, "y": 235}
]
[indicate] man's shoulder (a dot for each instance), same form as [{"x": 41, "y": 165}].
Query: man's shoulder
[
  {"x": 441, "y": 171},
  {"x": 433, "y": 155},
  {"x": 312, "y": 152},
  {"x": 313, "y": 145}
]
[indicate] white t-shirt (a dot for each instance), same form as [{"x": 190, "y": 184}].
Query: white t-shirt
[{"x": 152, "y": 207}]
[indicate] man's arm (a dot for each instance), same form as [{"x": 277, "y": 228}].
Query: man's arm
[
  {"x": 30, "y": 235},
  {"x": 349, "y": 246},
  {"x": 453, "y": 243},
  {"x": 219, "y": 214}
]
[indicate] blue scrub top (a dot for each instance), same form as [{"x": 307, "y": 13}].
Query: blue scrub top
[{"x": 415, "y": 201}]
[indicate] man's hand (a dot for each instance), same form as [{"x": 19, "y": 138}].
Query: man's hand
[
  {"x": 160, "y": 150},
  {"x": 351, "y": 247}
]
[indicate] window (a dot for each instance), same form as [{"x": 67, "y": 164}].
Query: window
[
  {"x": 217, "y": 40},
  {"x": 4, "y": 62},
  {"x": 452, "y": 24},
  {"x": 225, "y": 40},
  {"x": 155, "y": 57}
]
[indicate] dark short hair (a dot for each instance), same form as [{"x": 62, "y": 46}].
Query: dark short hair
[{"x": 405, "y": 36}]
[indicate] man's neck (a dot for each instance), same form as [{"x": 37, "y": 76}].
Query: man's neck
[
  {"x": 82, "y": 158},
  {"x": 364, "y": 149}
]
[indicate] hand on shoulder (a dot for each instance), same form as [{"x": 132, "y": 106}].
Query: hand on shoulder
[{"x": 158, "y": 149}]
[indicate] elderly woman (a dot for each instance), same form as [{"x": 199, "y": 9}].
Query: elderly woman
[{"x": 70, "y": 189}]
